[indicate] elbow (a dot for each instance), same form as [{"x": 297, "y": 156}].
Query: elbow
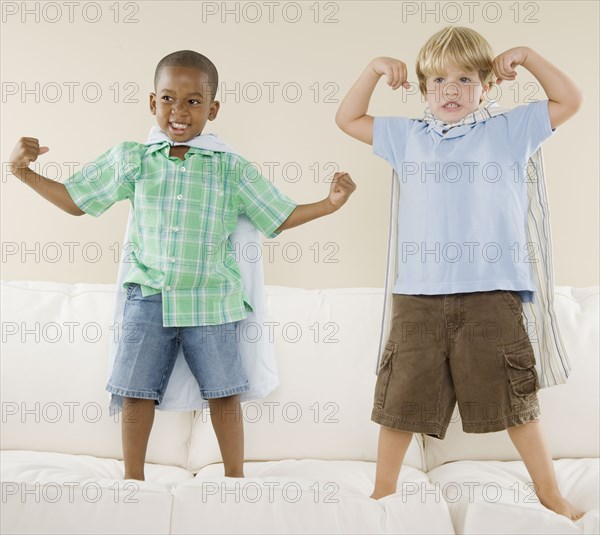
[
  {"x": 575, "y": 105},
  {"x": 579, "y": 100},
  {"x": 576, "y": 102},
  {"x": 340, "y": 122}
]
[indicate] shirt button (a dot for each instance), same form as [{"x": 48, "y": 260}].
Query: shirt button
[
  {"x": 179, "y": 197},
  {"x": 175, "y": 229},
  {"x": 168, "y": 288},
  {"x": 172, "y": 260},
  {"x": 183, "y": 169}
]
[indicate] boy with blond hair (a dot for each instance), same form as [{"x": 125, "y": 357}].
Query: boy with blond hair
[{"x": 463, "y": 193}]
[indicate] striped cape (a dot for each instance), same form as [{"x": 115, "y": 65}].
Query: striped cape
[{"x": 552, "y": 362}]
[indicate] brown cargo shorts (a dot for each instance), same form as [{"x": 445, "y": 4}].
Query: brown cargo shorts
[{"x": 467, "y": 347}]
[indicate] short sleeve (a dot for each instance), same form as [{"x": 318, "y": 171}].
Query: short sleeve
[
  {"x": 266, "y": 207},
  {"x": 390, "y": 135},
  {"x": 108, "y": 179},
  {"x": 528, "y": 126}
]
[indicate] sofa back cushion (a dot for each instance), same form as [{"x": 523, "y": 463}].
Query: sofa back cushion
[
  {"x": 54, "y": 369},
  {"x": 326, "y": 343}
]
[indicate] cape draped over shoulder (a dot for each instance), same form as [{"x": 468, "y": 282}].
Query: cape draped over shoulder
[{"x": 552, "y": 362}]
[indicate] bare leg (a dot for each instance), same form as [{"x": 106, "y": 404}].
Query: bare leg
[
  {"x": 531, "y": 445},
  {"x": 391, "y": 449},
  {"x": 226, "y": 417},
  {"x": 138, "y": 416}
]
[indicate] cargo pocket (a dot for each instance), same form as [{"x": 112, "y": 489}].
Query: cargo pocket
[
  {"x": 384, "y": 373},
  {"x": 519, "y": 362}
]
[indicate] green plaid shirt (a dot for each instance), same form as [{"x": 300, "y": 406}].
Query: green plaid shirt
[{"x": 184, "y": 212}]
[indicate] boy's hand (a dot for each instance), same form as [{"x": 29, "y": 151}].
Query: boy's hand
[
  {"x": 26, "y": 151},
  {"x": 505, "y": 63},
  {"x": 341, "y": 188},
  {"x": 394, "y": 69}
]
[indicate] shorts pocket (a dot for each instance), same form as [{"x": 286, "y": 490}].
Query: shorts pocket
[
  {"x": 519, "y": 362},
  {"x": 513, "y": 300},
  {"x": 130, "y": 289},
  {"x": 384, "y": 373}
]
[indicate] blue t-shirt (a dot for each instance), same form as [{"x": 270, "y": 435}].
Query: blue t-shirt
[{"x": 462, "y": 217}]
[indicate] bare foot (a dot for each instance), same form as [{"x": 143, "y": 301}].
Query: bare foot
[{"x": 561, "y": 506}]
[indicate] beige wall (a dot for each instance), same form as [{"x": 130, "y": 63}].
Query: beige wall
[{"x": 322, "y": 59}]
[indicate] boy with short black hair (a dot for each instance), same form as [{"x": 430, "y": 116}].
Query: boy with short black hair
[
  {"x": 462, "y": 175},
  {"x": 186, "y": 200}
]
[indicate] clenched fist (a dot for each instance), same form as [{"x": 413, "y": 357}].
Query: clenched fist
[
  {"x": 394, "y": 69},
  {"x": 506, "y": 63},
  {"x": 341, "y": 188},
  {"x": 26, "y": 151}
]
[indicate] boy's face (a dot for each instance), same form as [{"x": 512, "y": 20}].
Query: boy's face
[
  {"x": 454, "y": 94},
  {"x": 182, "y": 102}
]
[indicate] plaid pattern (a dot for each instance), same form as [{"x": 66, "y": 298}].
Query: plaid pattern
[{"x": 184, "y": 214}]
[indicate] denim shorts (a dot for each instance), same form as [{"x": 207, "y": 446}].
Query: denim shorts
[
  {"x": 147, "y": 353},
  {"x": 467, "y": 347}
]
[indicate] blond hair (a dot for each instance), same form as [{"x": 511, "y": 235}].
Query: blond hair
[{"x": 459, "y": 45}]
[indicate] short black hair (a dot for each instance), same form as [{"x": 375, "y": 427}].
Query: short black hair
[{"x": 191, "y": 60}]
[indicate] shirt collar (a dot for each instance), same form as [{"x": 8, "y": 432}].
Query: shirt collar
[
  {"x": 163, "y": 145},
  {"x": 458, "y": 128},
  {"x": 201, "y": 144}
]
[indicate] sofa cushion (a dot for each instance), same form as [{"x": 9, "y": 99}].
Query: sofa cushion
[
  {"x": 570, "y": 413},
  {"x": 497, "y": 497},
  {"x": 54, "y": 369},
  {"x": 62, "y": 493},
  {"x": 305, "y": 496},
  {"x": 326, "y": 343}
]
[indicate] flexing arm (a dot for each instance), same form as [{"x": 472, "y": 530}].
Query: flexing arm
[
  {"x": 341, "y": 188},
  {"x": 564, "y": 96},
  {"x": 352, "y": 115},
  {"x": 26, "y": 151}
]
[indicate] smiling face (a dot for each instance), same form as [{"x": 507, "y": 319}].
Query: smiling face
[
  {"x": 454, "y": 94},
  {"x": 183, "y": 102}
]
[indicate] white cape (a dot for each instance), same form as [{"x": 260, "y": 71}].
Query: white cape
[
  {"x": 256, "y": 351},
  {"x": 552, "y": 362}
]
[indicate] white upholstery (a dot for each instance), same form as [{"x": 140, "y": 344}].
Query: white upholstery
[
  {"x": 304, "y": 496},
  {"x": 62, "y": 493},
  {"x": 54, "y": 370},
  {"x": 310, "y": 446},
  {"x": 497, "y": 497},
  {"x": 325, "y": 342}
]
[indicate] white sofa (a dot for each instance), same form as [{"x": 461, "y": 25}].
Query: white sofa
[{"x": 310, "y": 446}]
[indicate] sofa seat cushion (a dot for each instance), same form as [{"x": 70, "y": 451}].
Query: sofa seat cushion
[
  {"x": 497, "y": 497},
  {"x": 304, "y": 496},
  {"x": 82, "y": 494}
]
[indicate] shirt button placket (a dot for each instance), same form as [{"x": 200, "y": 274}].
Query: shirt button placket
[{"x": 174, "y": 229}]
